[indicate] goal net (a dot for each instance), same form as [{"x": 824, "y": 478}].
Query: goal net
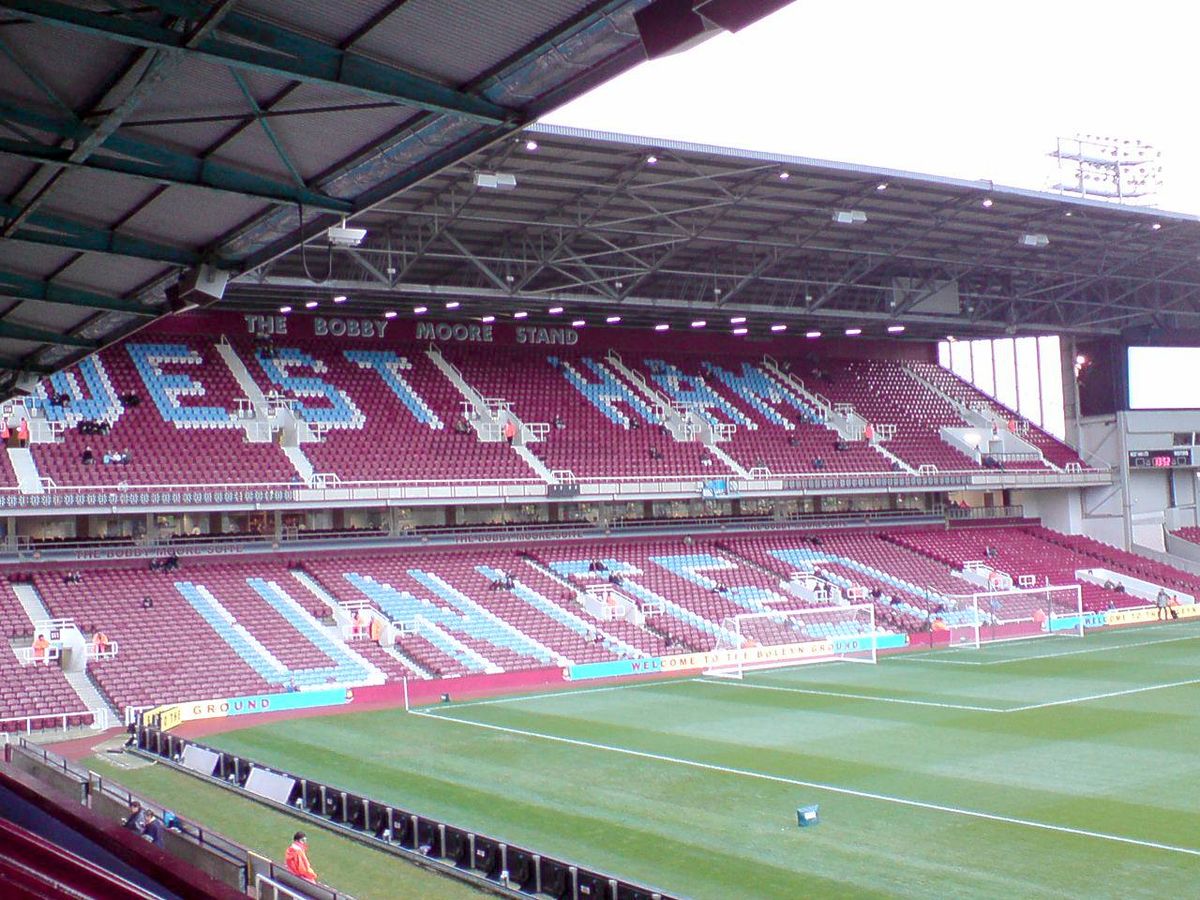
[
  {"x": 1015, "y": 614},
  {"x": 793, "y": 637}
]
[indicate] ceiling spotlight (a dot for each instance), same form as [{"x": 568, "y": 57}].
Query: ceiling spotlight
[
  {"x": 784, "y": 175},
  {"x": 578, "y": 323},
  {"x": 420, "y": 310},
  {"x": 390, "y": 314},
  {"x": 986, "y": 203},
  {"x": 651, "y": 160},
  {"x": 882, "y": 186},
  {"x": 779, "y": 327},
  {"x": 661, "y": 326},
  {"x": 285, "y": 309},
  {"x": 951, "y": 339},
  {"x": 699, "y": 323},
  {"x": 520, "y": 314},
  {"x": 311, "y": 304},
  {"x": 737, "y": 320},
  {"x": 488, "y": 320},
  {"x": 531, "y": 145},
  {"x": 618, "y": 284},
  {"x": 812, "y": 334},
  {"x": 613, "y": 320},
  {"x": 895, "y": 329},
  {"x": 453, "y": 304},
  {"x": 1068, "y": 214},
  {"x": 555, "y": 310},
  {"x": 849, "y": 216},
  {"x": 1156, "y": 226},
  {"x": 509, "y": 279},
  {"x": 1034, "y": 240},
  {"x": 340, "y": 298},
  {"x": 1081, "y": 360},
  {"x": 853, "y": 332},
  {"x": 741, "y": 330}
]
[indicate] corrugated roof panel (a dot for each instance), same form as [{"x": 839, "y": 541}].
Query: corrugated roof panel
[
  {"x": 32, "y": 259},
  {"x": 333, "y": 22},
  {"x": 190, "y": 137},
  {"x": 195, "y": 88},
  {"x": 51, "y": 316},
  {"x": 97, "y": 197},
  {"x": 484, "y": 33},
  {"x": 252, "y": 149},
  {"x": 41, "y": 50},
  {"x": 193, "y": 216},
  {"x": 113, "y": 275},
  {"x": 342, "y": 136},
  {"x": 13, "y": 173}
]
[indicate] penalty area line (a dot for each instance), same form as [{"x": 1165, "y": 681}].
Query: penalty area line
[
  {"x": 816, "y": 785},
  {"x": 547, "y": 695}
]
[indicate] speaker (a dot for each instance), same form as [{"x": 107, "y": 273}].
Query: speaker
[{"x": 200, "y": 286}]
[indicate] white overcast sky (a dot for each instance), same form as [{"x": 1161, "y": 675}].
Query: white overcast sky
[{"x": 958, "y": 89}]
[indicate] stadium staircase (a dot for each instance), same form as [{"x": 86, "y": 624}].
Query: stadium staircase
[
  {"x": 91, "y": 697},
  {"x": 29, "y": 479}
]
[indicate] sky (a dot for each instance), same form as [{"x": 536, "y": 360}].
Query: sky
[{"x": 956, "y": 89}]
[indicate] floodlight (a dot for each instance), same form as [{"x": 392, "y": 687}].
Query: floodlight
[{"x": 849, "y": 216}]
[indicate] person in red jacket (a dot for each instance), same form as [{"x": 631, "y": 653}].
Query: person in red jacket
[{"x": 297, "y": 858}]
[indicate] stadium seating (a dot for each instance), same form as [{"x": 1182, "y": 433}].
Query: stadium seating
[
  {"x": 1191, "y": 533},
  {"x": 182, "y": 430},
  {"x": 181, "y": 407}
]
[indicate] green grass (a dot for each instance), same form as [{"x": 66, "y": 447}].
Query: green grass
[
  {"x": 361, "y": 871},
  {"x": 1003, "y": 775}
]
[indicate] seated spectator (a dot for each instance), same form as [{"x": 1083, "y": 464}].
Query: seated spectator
[
  {"x": 818, "y": 463},
  {"x": 655, "y": 453},
  {"x": 147, "y": 602},
  {"x": 87, "y": 457},
  {"x": 558, "y": 422}
]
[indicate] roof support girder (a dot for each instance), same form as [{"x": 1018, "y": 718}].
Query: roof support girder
[
  {"x": 60, "y": 231},
  {"x": 145, "y": 159},
  {"x": 42, "y": 336},
  {"x": 23, "y": 287},
  {"x": 265, "y": 47}
]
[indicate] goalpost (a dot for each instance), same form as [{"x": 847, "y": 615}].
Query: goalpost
[
  {"x": 1014, "y": 614},
  {"x": 794, "y": 637}
]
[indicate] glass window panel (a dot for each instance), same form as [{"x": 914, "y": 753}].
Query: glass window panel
[
  {"x": 981, "y": 361},
  {"x": 960, "y": 360},
  {"x": 1006, "y": 372},
  {"x": 1029, "y": 395},
  {"x": 1053, "y": 414}
]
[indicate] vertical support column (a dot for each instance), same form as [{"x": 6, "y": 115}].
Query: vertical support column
[{"x": 1067, "y": 353}]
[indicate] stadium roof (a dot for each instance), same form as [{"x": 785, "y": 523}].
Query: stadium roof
[
  {"x": 142, "y": 140},
  {"x": 604, "y": 225}
]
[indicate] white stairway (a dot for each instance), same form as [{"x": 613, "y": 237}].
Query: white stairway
[
  {"x": 31, "y": 602},
  {"x": 29, "y": 480},
  {"x": 93, "y": 700}
]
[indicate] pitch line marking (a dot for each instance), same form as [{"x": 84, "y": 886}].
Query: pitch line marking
[
  {"x": 546, "y": 695},
  {"x": 816, "y": 785},
  {"x": 849, "y": 696},
  {"x": 1020, "y": 659},
  {"x": 1125, "y": 693}
]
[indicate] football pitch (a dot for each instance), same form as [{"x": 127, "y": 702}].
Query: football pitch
[{"x": 1050, "y": 767}]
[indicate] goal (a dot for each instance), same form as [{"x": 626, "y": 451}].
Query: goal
[
  {"x": 793, "y": 637},
  {"x": 1015, "y": 614}
]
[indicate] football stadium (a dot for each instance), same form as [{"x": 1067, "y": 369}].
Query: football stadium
[{"x": 404, "y": 496}]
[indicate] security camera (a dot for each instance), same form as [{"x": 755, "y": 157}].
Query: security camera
[{"x": 343, "y": 236}]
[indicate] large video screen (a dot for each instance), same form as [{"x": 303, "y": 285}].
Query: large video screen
[{"x": 1164, "y": 377}]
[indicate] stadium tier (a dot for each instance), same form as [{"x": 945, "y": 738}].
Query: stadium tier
[
  {"x": 1191, "y": 534},
  {"x": 253, "y": 625},
  {"x": 189, "y": 411}
]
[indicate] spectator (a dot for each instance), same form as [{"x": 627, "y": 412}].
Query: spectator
[
  {"x": 87, "y": 457},
  {"x": 100, "y": 643},
  {"x": 153, "y": 829},
  {"x": 41, "y": 649},
  {"x": 510, "y": 430},
  {"x": 558, "y": 422},
  {"x": 1161, "y": 602},
  {"x": 297, "y": 858},
  {"x": 461, "y": 426},
  {"x": 818, "y": 463},
  {"x": 137, "y": 818},
  {"x": 655, "y": 453},
  {"x": 147, "y": 602}
]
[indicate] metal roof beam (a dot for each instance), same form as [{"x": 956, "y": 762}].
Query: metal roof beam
[
  {"x": 144, "y": 159},
  {"x": 59, "y": 231},
  {"x": 23, "y": 287},
  {"x": 42, "y": 336},
  {"x": 265, "y": 47}
]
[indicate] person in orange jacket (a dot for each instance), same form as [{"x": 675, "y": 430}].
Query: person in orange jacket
[
  {"x": 297, "y": 858},
  {"x": 40, "y": 648}
]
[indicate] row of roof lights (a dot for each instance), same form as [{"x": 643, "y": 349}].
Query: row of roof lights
[{"x": 738, "y": 322}]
